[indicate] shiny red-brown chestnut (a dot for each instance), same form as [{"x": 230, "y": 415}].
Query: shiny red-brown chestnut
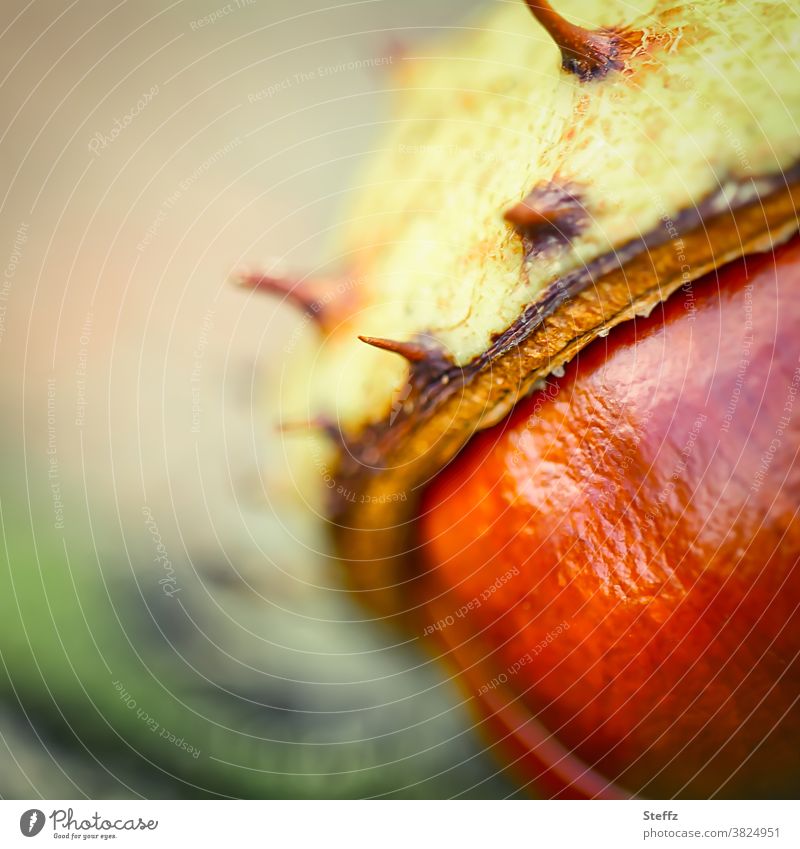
[{"x": 616, "y": 567}]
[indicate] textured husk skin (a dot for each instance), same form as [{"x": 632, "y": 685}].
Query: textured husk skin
[{"x": 488, "y": 119}]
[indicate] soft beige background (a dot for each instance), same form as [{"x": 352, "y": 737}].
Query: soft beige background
[{"x": 276, "y": 681}]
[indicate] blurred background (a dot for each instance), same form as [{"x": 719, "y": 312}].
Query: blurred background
[{"x": 170, "y": 625}]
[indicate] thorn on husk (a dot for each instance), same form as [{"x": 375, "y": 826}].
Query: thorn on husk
[
  {"x": 318, "y": 423},
  {"x": 590, "y": 54},
  {"x": 412, "y": 351},
  {"x": 549, "y": 216},
  {"x": 528, "y": 221},
  {"x": 326, "y": 302}
]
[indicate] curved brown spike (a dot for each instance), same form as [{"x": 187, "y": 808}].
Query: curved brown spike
[
  {"x": 588, "y": 53},
  {"x": 293, "y": 290},
  {"x": 410, "y": 350},
  {"x": 327, "y": 301},
  {"x": 548, "y": 217},
  {"x": 527, "y": 220},
  {"x": 323, "y": 423}
]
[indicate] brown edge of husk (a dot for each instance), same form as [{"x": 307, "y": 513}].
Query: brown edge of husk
[{"x": 373, "y": 519}]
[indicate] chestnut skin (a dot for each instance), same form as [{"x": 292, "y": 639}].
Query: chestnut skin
[{"x": 614, "y": 568}]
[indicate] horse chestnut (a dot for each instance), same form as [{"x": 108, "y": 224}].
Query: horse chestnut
[{"x": 567, "y": 450}]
